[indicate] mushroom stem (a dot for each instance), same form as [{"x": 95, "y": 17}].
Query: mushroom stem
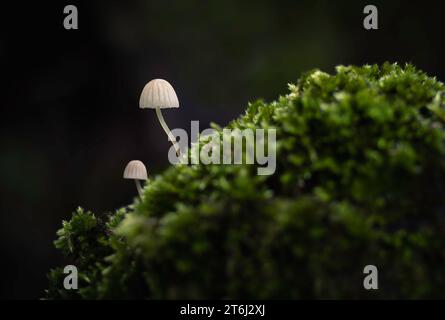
[
  {"x": 170, "y": 135},
  {"x": 138, "y": 186}
]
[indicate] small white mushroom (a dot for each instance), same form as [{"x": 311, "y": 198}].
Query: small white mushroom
[
  {"x": 159, "y": 94},
  {"x": 136, "y": 170}
]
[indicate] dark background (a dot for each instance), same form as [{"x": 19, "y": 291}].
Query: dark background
[{"x": 70, "y": 120}]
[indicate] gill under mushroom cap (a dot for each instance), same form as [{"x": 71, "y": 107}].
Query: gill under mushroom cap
[
  {"x": 158, "y": 93},
  {"x": 135, "y": 169}
]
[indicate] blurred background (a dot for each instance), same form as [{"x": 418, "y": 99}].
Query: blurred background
[{"x": 70, "y": 120}]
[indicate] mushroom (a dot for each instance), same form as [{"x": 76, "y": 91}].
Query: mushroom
[
  {"x": 136, "y": 170},
  {"x": 159, "y": 94}
]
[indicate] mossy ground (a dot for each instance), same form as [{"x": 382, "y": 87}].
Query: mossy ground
[{"x": 359, "y": 180}]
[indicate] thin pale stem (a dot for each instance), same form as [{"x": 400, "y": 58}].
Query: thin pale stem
[
  {"x": 170, "y": 135},
  {"x": 138, "y": 186}
]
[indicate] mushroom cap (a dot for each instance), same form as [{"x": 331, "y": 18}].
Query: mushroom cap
[
  {"x": 158, "y": 93},
  {"x": 135, "y": 169}
]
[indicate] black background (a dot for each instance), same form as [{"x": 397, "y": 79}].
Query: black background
[{"x": 70, "y": 120}]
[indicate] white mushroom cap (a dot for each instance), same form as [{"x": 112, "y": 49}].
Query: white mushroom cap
[
  {"x": 135, "y": 170},
  {"x": 158, "y": 93}
]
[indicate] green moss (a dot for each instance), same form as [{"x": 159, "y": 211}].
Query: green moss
[{"x": 359, "y": 180}]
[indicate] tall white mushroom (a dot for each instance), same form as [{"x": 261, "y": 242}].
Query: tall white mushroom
[
  {"x": 136, "y": 170},
  {"x": 159, "y": 94}
]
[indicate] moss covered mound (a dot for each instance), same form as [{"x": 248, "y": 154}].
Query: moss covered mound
[{"x": 359, "y": 180}]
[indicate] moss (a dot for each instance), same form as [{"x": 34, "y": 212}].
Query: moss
[{"x": 359, "y": 180}]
